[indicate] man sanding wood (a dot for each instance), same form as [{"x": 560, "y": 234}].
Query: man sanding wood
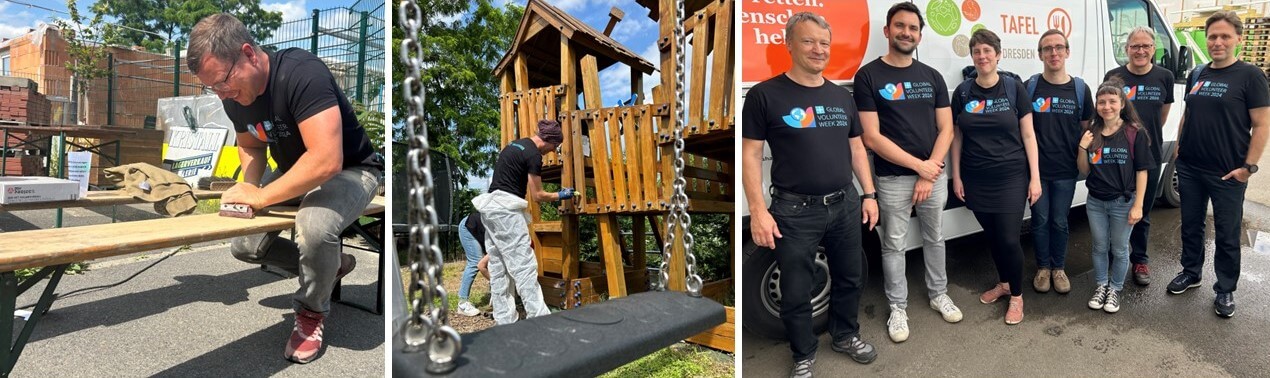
[{"x": 287, "y": 103}]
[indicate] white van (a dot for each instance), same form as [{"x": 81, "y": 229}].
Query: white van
[{"x": 1097, "y": 30}]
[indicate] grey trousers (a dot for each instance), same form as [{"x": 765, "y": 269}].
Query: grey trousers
[
  {"x": 895, "y": 203},
  {"x": 314, "y": 256}
]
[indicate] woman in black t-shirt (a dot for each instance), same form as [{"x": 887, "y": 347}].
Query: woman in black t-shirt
[
  {"x": 1116, "y": 154},
  {"x": 994, "y": 163}
]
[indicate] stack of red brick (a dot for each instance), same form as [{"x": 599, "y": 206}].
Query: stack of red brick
[{"x": 20, "y": 101}]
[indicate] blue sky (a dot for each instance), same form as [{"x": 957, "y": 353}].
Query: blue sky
[{"x": 21, "y": 17}]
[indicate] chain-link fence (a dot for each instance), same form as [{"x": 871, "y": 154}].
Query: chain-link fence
[{"x": 350, "y": 41}]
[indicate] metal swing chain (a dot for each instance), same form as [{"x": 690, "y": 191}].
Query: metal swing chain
[
  {"x": 428, "y": 325},
  {"x": 678, "y": 214}
]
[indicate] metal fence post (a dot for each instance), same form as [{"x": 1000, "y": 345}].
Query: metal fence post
[
  {"x": 314, "y": 37},
  {"x": 361, "y": 60},
  {"x": 110, "y": 89},
  {"x": 176, "y": 69}
]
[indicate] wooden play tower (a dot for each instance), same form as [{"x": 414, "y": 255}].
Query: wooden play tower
[{"x": 618, "y": 157}]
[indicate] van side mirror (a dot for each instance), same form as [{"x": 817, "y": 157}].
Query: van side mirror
[{"x": 1184, "y": 63}]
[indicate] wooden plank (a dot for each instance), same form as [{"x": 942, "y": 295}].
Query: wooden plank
[
  {"x": 637, "y": 85},
  {"x": 549, "y": 102},
  {"x": 719, "y": 91},
  {"x": 648, "y": 158},
  {"x": 569, "y": 243},
  {"x": 39, "y": 248},
  {"x": 611, "y": 252},
  {"x": 522, "y": 85},
  {"x": 98, "y": 198},
  {"x": 721, "y": 337},
  {"x": 600, "y": 155},
  {"x": 617, "y": 164},
  {"x": 591, "y": 83},
  {"x": 639, "y": 242},
  {"x": 697, "y": 89},
  {"x": 572, "y": 148},
  {"x": 711, "y": 206},
  {"x": 630, "y": 129},
  {"x": 507, "y": 110},
  {"x": 678, "y": 263},
  {"x": 579, "y": 161}
]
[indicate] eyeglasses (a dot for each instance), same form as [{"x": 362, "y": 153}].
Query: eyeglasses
[
  {"x": 1141, "y": 47},
  {"x": 1053, "y": 49},
  {"x": 223, "y": 85}
]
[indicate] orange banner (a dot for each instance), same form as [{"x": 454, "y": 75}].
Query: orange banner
[{"x": 764, "y": 54}]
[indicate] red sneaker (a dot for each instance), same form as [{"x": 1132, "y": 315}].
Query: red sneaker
[{"x": 306, "y": 337}]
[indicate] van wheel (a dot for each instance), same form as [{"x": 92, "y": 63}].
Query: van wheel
[
  {"x": 1171, "y": 196},
  {"x": 762, "y": 291}
]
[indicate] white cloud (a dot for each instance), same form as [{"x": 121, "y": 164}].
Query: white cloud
[
  {"x": 291, "y": 10},
  {"x": 633, "y": 26},
  {"x": 14, "y": 29}
]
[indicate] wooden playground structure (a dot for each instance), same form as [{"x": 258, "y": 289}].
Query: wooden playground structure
[{"x": 618, "y": 158}]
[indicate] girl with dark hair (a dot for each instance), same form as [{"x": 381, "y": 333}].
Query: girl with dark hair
[{"x": 1116, "y": 155}]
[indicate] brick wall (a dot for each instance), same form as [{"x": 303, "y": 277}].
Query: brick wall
[{"x": 21, "y": 102}]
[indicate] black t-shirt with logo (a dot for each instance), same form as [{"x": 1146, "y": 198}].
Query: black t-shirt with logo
[
  {"x": 991, "y": 144},
  {"x": 1149, "y": 93},
  {"x": 1056, "y": 118},
  {"x": 905, "y": 99},
  {"x": 1218, "y": 128},
  {"x": 299, "y": 86},
  {"x": 808, "y": 130},
  {"x": 515, "y": 163},
  {"x": 1113, "y": 169}
]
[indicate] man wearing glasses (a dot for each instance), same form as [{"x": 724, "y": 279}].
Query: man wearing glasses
[
  {"x": 1062, "y": 107},
  {"x": 288, "y": 103},
  {"x": 1150, "y": 88}
]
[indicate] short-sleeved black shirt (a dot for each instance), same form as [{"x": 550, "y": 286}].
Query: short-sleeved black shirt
[
  {"x": 905, "y": 99},
  {"x": 299, "y": 86},
  {"x": 808, "y": 130},
  {"x": 1218, "y": 127},
  {"x": 514, "y": 165},
  {"x": 990, "y": 139},
  {"x": 1113, "y": 170},
  {"x": 1056, "y": 118},
  {"x": 1149, "y": 93}
]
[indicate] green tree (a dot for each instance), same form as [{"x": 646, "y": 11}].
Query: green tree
[
  {"x": 462, "y": 93},
  {"x": 153, "y": 24},
  {"x": 87, "y": 56}
]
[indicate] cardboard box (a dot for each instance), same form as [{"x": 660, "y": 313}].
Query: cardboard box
[{"x": 24, "y": 189}]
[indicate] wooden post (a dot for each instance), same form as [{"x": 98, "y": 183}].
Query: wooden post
[
  {"x": 720, "y": 92},
  {"x": 573, "y": 169},
  {"x": 615, "y": 15},
  {"x": 612, "y": 254}
]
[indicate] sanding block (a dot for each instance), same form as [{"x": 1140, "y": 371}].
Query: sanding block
[{"x": 236, "y": 210}]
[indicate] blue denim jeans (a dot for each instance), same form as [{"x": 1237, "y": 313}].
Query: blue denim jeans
[
  {"x": 472, "y": 250},
  {"x": 1049, "y": 223},
  {"x": 1109, "y": 228}
]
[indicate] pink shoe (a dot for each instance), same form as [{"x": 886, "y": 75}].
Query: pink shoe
[
  {"x": 1014, "y": 315},
  {"x": 306, "y": 337},
  {"x": 996, "y": 292}
]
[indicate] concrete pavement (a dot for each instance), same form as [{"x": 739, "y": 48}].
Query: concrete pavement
[{"x": 196, "y": 313}]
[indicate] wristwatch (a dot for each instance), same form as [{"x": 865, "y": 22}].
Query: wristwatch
[
  {"x": 872, "y": 196},
  {"x": 1252, "y": 168}
]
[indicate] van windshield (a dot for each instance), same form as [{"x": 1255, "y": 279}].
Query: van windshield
[{"x": 1124, "y": 16}]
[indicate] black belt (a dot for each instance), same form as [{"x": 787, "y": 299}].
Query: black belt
[{"x": 825, "y": 200}]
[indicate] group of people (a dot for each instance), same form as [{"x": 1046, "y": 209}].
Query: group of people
[{"x": 1012, "y": 143}]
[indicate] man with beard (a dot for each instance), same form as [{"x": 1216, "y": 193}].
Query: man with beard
[{"x": 904, "y": 109}]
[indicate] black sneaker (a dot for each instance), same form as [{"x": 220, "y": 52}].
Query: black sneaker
[
  {"x": 1225, "y": 305},
  {"x": 1182, "y": 282},
  {"x": 856, "y": 348}
]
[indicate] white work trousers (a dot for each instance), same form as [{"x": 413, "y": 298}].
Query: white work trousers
[{"x": 511, "y": 259}]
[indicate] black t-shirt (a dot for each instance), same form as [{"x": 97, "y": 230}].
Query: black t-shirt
[
  {"x": 514, "y": 165},
  {"x": 299, "y": 86},
  {"x": 1056, "y": 119},
  {"x": 905, "y": 99},
  {"x": 475, "y": 227},
  {"x": 1149, "y": 93},
  {"x": 1218, "y": 128},
  {"x": 1112, "y": 171},
  {"x": 808, "y": 130},
  {"x": 989, "y": 125}
]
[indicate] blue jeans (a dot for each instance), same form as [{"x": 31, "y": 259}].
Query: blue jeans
[
  {"x": 1049, "y": 222},
  {"x": 1197, "y": 190},
  {"x": 1109, "y": 228},
  {"x": 472, "y": 249}
]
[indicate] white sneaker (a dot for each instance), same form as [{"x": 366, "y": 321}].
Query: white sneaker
[
  {"x": 1100, "y": 298},
  {"x": 945, "y": 306},
  {"x": 897, "y": 325},
  {"x": 467, "y": 309},
  {"x": 1112, "y": 304}
]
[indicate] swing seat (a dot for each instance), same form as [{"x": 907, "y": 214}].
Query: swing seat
[{"x": 585, "y": 341}]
